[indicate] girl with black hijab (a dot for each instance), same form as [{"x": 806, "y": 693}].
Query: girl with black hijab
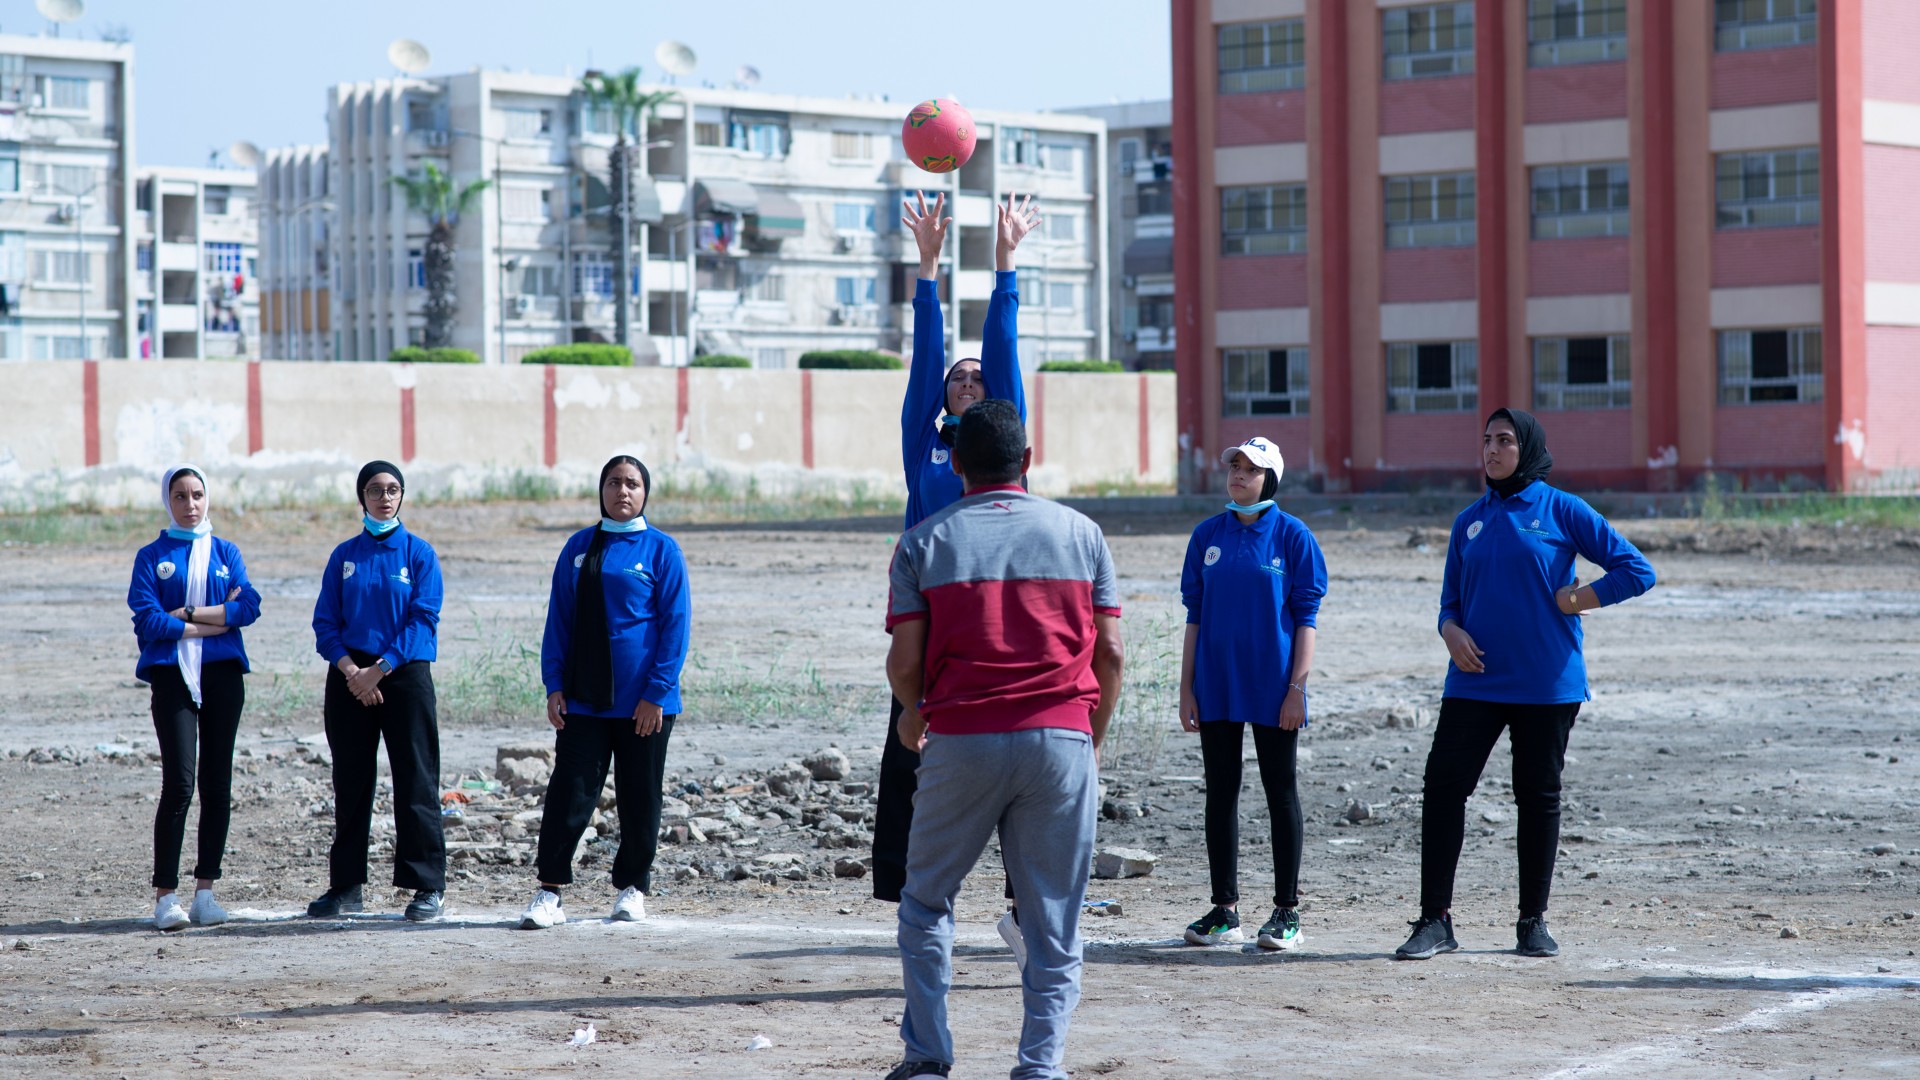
[
  {"x": 190, "y": 596},
  {"x": 617, "y": 628},
  {"x": 376, "y": 624},
  {"x": 1510, "y": 610}
]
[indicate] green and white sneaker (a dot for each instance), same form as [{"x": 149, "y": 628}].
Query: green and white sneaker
[
  {"x": 1221, "y": 926},
  {"x": 1281, "y": 930}
]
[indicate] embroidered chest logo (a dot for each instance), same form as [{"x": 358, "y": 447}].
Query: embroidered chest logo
[
  {"x": 1276, "y": 567},
  {"x": 940, "y": 455},
  {"x": 579, "y": 560},
  {"x": 402, "y": 577},
  {"x": 1536, "y": 523},
  {"x": 1473, "y": 530},
  {"x": 346, "y": 570},
  {"x": 165, "y": 570},
  {"x": 1212, "y": 556},
  {"x": 222, "y": 572},
  {"x": 640, "y": 571}
]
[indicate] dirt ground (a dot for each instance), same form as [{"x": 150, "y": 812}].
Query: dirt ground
[{"x": 1736, "y": 894}]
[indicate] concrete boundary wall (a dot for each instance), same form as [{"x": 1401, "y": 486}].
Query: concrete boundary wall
[{"x": 99, "y": 432}]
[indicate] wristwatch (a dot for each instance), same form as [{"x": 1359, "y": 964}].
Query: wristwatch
[
  {"x": 189, "y": 612},
  {"x": 385, "y": 668}
]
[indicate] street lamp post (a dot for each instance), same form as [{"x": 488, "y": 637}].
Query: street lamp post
[
  {"x": 499, "y": 231},
  {"x": 80, "y": 252}
]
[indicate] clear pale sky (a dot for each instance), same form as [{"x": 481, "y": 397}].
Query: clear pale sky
[{"x": 207, "y": 73}]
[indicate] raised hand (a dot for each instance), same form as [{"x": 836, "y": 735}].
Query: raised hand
[
  {"x": 1014, "y": 222},
  {"x": 929, "y": 229}
]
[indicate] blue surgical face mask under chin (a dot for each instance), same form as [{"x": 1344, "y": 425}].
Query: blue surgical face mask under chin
[
  {"x": 637, "y": 524},
  {"x": 380, "y": 528},
  {"x": 1260, "y": 507},
  {"x": 176, "y": 532}
]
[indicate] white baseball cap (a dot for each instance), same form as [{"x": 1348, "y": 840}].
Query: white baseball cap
[{"x": 1260, "y": 451}]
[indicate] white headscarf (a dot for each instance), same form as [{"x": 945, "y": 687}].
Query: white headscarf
[{"x": 190, "y": 649}]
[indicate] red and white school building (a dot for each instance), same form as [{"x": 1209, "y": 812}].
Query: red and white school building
[{"x": 1685, "y": 233}]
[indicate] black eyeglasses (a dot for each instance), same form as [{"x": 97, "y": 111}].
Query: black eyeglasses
[{"x": 392, "y": 491}]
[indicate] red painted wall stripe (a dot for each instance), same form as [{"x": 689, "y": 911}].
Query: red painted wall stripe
[
  {"x": 1843, "y": 260},
  {"x": 256, "y": 434},
  {"x": 681, "y": 435},
  {"x": 90, "y": 411},
  {"x": 550, "y": 417},
  {"x": 1146, "y": 455},
  {"x": 806, "y": 419},
  {"x": 1039, "y": 419},
  {"x": 406, "y": 424}
]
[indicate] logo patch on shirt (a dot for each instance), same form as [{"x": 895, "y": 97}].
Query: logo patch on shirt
[
  {"x": 1212, "y": 556},
  {"x": 346, "y": 570},
  {"x": 940, "y": 455},
  {"x": 640, "y": 571},
  {"x": 402, "y": 577},
  {"x": 579, "y": 560},
  {"x": 165, "y": 570},
  {"x": 1473, "y": 530},
  {"x": 222, "y": 572},
  {"x": 1536, "y": 523}
]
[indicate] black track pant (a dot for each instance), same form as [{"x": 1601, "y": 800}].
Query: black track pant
[
  {"x": 893, "y": 816},
  {"x": 194, "y": 740},
  {"x": 1220, "y": 742},
  {"x": 1462, "y": 740},
  {"x": 407, "y": 721},
  {"x": 583, "y": 751}
]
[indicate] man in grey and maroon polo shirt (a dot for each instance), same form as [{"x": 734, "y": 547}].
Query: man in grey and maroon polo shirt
[{"x": 1006, "y": 649}]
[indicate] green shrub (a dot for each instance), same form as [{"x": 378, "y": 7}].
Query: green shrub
[
  {"x": 588, "y": 353},
  {"x": 851, "y": 360},
  {"x": 1090, "y": 366},
  {"x": 413, "y": 354},
  {"x": 720, "y": 360}
]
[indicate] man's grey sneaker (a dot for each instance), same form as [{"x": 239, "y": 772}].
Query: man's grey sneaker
[
  {"x": 1221, "y": 926},
  {"x": 1009, "y": 927},
  {"x": 1532, "y": 938},
  {"x": 1431, "y": 937},
  {"x": 336, "y": 902},
  {"x": 1282, "y": 930},
  {"x": 907, "y": 1069},
  {"x": 426, "y": 907},
  {"x": 168, "y": 914}
]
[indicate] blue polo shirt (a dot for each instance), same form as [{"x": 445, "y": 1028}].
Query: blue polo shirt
[
  {"x": 1506, "y": 558},
  {"x": 380, "y": 596},
  {"x": 159, "y": 586},
  {"x": 1248, "y": 588},
  {"x": 643, "y": 578},
  {"x": 932, "y": 485}
]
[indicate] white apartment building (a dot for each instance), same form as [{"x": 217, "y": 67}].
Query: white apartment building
[
  {"x": 295, "y": 294},
  {"x": 776, "y": 231},
  {"x": 66, "y": 133},
  {"x": 196, "y": 235},
  {"x": 1140, "y": 174}
]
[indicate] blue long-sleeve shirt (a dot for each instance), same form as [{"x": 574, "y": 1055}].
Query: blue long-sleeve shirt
[
  {"x": 1506, "y": 559},
  {"x": 380, "y": 596},
  {"x": 649, "y": 616},
  {"x": 159, "y": 585},
  {"x": 1248, "y": 588},
  {"x": 931, "y": 483}
]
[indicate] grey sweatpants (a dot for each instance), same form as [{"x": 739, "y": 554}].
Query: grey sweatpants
[{"x": 1039, "y": 788}]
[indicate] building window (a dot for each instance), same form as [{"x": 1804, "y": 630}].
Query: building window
[
  {"x": 1061, "y": 295},
  {"x": 1582, "y": 373},
  {"x": 68, "y": 180},
  {"x": 706, "y": 134},
  {"x": 1019, "y": 146},
  {"x": 760, "y": 283},
  {"x": 853, "y": 291},
  {"x": 1764, "y": 24},
  {"x": 1580, "y": 200},
  {"x": 1129, "y": 151},
  {"x": 538, "y": 279},
  {"x": 9, "y": 166},
  {"x": 853, "y": 146},
  {"x": 770, "y": 359},
  {"x": 1255, "y": 57},
  {"x": 225, "y": 258},
  {"x": 760, "y": 134},
  {"x": 1575, "y": 31},
  {"x": 1063, "y": 226},
  {"x": 63, "y": 347},
  {"x": 1440, "y": 376},
  {"x": 62, "y": 92},
  {"x": 1266, "y": 220},
  {"x": 527, "y": 123},
  {"x": 1060, "y": 158},
  {"x": 1265, "y": 382},
  {"x": 1430, "y": 211},
  {"x": 143, "y": 258},
  {"x": 1155, "y": 198},
  {"x": 62, "y": 268},
  {"x": 215, "y": 199},
  {"x": 1427, "y": 41},
  {"x": 416, "y": 269},
  {"x": 853, "y": 217},
  {"x": 1769, "y": 365},
  {"x": 592, "y": 275},
  {"x": 1767, "y": 189},
  {"x": 519, "y": 203}
]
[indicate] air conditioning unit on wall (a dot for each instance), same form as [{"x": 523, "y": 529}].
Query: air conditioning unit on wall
[{"x": 523, "y": 306}]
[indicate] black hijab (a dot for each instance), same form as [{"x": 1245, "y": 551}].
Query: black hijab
[
  {"x": 1535, "y": 462},
  {"x": 589, "y": 674}
]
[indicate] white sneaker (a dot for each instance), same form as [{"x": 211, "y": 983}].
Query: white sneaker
[
  {"x": 205, "y": 910},
  {"x": 543, "y": 912},
  {"x": 168, "y": 914},
  {"x": 1010, "y": 933},
  {"x": 631, "y": 906}
]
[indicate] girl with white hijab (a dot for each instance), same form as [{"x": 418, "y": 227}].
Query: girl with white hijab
[{"x": 190, "y": 597}]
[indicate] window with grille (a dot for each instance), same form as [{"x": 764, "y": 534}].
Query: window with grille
[
  {"x": 1739, "y": 25},
  {"x": 1265, "y": 382},
  {"x": 1063, "y": 226},
  {"x": 519, "y": 203},
  {"x": 1582, "y": 373},
  {"x": 853, "y": 291},
  {"x": 1759, "y": 366},
  {"x": 1438, "y": 376},
  {"x": 216, "y": 199},
  {"x": 1155, "y": 198},
  {"x": 62, "y": 267},
  {"x": 592, "y": 275},
  {"x": 1060, "y": 158},
  {"x": 1019, "y": 146},
  {"x": 760, "y": 134},
  {"x": 1426, "y": 41},
  {"x": 1430, "y": 211},
  {"x": 1257, "y": 57},
  {"x": 527, "y": 123},
  {"x": 1269, "y": 219},
  {"x": 1767, "y": 189},
  {"x": 853, "y": 145},
  {"x": 416, "y": 269},
  {"x": 1575, "y": 31},
  {"x": 62, "y": 92},
  {"x": 1580, "y": 200},
  {"x": 1061, "y": 295},
  {"x": 225, "y": 258},
  {"x": 762, "y": 284},
  {"x": 50, "y": 347},
  {"x": 9, "y": 166},
  {"x": 706, "y": 134}
]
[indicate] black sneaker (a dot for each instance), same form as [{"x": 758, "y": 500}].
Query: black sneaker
[
  {"x": 1221, "y": 926},
  {"x": 336, "y": 902},
  {"x": 907, "y": 1069},
  {"x": 1532, "y": 938},
  {"x": 1431, "y": 937},
  {"x": 425, "y": 907},
  {"x": 1282, "y": 930}
]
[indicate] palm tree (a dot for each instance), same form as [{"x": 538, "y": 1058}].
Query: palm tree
[
  {"x": 432, "y": 193},
  {"x": 630, "y": 107}
]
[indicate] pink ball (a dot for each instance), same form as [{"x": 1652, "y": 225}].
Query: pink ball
[{"x": 938, "y": 135}]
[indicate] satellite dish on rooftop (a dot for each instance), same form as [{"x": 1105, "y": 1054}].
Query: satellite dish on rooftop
[
  {"x": 409, "y": 56},
  {"x": 60, "y": 11},
  {"x": 675, "y": 58},
  {"x": 747, "y": 77},
  {"x": 243, "y": 153}
]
